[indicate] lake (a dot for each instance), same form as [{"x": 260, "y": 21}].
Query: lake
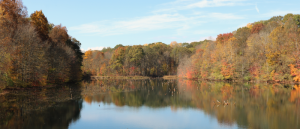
[{"x": 153, "y": 104}]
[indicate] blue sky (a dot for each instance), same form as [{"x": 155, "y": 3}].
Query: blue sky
[
  {"x": 111, "y": 116},
  {"x": 106, "y": 23}
]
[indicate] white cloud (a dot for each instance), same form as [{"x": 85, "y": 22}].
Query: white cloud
[
  {"x": 225, "y": 16},
  {"x": 247, "y": 9},
  {"x": 256, "y": 8},
  {"x": 148, "y": 23},
  {"x": 204, "y": 32},
  {"x": 215, "y": 3},
  {"x": 175, "y": 21},
  {"x": 166, "y": 17},
  {"x": 158, "y": 38},
  {"x": 177, "y": 5},
  {"x": 93, "y": 48}
]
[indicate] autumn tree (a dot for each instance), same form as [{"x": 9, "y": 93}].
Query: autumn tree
[
  {"x": 59, "y": 35},
  {"x": 29, "y": 64},
  {"x": 297, "y": 19},
  {"x": 242, "y": 35},
  {"x": 27, "y": 56},
  {"x": 12, "y": 19},
  {"x": 249, "y": 25},
  {"x": 13, "y": 13},
  {"x": 117, "y": 60},
  {"x": 40, "y": 22},
  {"x": 135, "y": 55},
  {"x": 256, "y": 28},
  {"x": 277, "y": 19},
  {"x": 222, "y": 38},
  {"x": 287, "y": 17}
]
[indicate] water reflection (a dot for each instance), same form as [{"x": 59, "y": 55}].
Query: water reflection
[
  {"x": 40, "y": 108},
  {"x": 155, "y": 103},
  {"x": 232, "y": 105}
]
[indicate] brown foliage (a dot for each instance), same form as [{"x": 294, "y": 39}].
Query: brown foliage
[
  {"x": 222, "y": 38},
  {"x": 59, "y": 34},
  {"x": 40, "y": 22},
  {"x": 12, "y": 14},
  {"x": 256, "y": 28},
  {"x": 25, "y": 58}
]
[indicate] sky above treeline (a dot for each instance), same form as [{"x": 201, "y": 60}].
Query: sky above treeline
[{"x": 106, "y": 23}]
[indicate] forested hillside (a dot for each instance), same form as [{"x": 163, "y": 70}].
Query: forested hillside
[
  {"x": 33, "y": 51},
  {"x": 155, "y": 59},
  {"x": 266, "y": 50}
]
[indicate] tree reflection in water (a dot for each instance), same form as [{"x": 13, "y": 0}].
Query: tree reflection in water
[
  {"x": 40, "y": 108},
  {"x": 247, "y": 105}
]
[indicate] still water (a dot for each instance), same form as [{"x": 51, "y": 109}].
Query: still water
[{"x": 153, "y": 104}]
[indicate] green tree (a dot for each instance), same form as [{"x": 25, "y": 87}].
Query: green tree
[
  {"x": 117, "y": 59},
  {"x": 136, "y": 54}
]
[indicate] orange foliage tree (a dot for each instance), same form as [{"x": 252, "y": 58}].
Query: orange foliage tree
[
  {"x": 227, "y": 70},
  {"x": 222, "y": 38}
]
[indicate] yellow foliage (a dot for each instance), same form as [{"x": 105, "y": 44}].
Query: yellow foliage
[
  {"x": 232, "y": 39},
  {"x": 272, "y": 74},
  {"x": 274, "y": 48},
  {"x": 272, "y": 57},
  {"x": 87, "y": 54},
  {"x": 295, "y": 73},
  {"x": 249, "y": 25},
  {"x": 39, "y": 20},
  {"x": 250, "y": 42}
]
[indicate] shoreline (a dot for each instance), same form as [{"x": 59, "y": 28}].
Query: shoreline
[
  {"x": 8, "y": 89},
  {"x": 171, "y": 77}
]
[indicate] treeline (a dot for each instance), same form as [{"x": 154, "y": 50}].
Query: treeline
[
  {"x": 266, "y": 50},
  {"x": 33, "y": 51},
  {"x": 154, "y": 59}
]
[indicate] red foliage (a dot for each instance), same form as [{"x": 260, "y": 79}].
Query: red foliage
[
  {"x": 132, "y": 69},
  {"x": 256, "y": 28},
  {"x": 132, "y": 87},
  {"x": 227, "y": 70},
  {"x": 222, "y": 38},
  {"x": 199, "y": 51},
  {"x": 189, "y": 74},
  {"x": 119, "y": 52},
  {"x": 254, "y": 71}
]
